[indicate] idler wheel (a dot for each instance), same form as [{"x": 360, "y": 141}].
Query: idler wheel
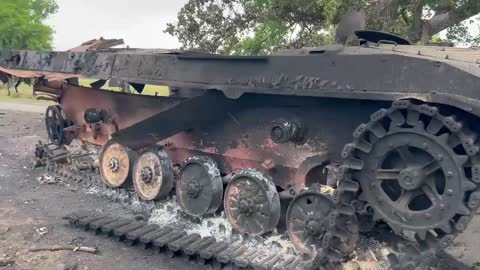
[
  {"x": 308, "y": 218},
  {"x": 116, "y": 164},
  {"x": 153, "y": 174},
  {"x": 252, "y": 204},
  {"x": 199, "y": 187},
  {"x": 55, "y": 123}
]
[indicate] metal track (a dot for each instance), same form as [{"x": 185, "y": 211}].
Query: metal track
[
  {"x": 176, "y": 242},
  {"x": 209, "y": 251},
  {"x": 214, "y": 253},
  {"x": 173, "y": 241}
]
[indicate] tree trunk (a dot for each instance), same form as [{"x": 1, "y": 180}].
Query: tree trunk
[
  {"x": 423, "y": 30},
  {"x": 427, "y": 32},
  {"x": 389, "y": 8}
]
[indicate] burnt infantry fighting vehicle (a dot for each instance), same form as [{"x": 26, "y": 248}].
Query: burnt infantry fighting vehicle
[{"x": 391, "y": 127}]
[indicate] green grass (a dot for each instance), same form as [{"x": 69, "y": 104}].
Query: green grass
[
  {"x": 25, "y": 91},
  {"x": 149, "y": 90}
]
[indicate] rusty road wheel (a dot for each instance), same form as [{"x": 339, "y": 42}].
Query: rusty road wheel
[
  {"x": 116, "y": 163},
  {"x": 153, "y": 174},
  {"x": 252, "y": 204},
  {"x": 199, "y": 187},
  {"x": 308, "y": 220}
]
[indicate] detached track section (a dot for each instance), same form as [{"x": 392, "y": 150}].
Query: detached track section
[
  {"x": 168, "y": 239},
  {"x": 177, "y": 242}
]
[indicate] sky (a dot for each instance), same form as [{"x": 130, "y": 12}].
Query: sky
[{"x": 139, "y": 22}]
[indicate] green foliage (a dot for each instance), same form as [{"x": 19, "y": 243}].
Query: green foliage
[
  {"x": 263, "y": 26},
  {"x": 254, "y": 26},
  {"x": 22, "y": 24},
  {"x": 267, "y": 37},
  {"x": 437, "y": 39},
  {"x": 459, "y": 33}
]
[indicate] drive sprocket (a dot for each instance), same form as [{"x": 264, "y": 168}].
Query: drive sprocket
[{"x": 417, "y": 169}]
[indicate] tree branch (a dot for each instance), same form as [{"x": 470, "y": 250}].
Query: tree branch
[
  {"x": 423, "y": 30},
  {"x": 92, "y": 250},
  {"x": 403, "y": 13},
  {"x": 443, "y": 21}
]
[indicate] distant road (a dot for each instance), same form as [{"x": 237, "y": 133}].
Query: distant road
[{"x": 22, "y": 106}]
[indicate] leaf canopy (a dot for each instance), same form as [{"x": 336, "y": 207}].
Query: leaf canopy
[{"x": 22, "y": 24}]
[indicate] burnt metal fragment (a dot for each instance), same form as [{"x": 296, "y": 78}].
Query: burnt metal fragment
[
  {"x": 93, "y": 116},
  {"x": 283, "y": 131}
]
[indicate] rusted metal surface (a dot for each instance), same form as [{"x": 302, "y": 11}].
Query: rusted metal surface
[
  {"x": 96, "y": 44},
  {"x": 234, "y": 140},
  {"x": 51, "y": 76},
  {"x": 184, "y": 115},
  {"x": 120, "y": 110},
  {"x": 237, "y": 143},
  {"x": 241, "y": 138}
]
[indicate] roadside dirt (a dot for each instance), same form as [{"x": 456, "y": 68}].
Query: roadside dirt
[{"x": 31, "y": 212}]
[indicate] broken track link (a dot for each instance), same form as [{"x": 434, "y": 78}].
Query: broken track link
[
  {"x": 176, "y": 242},
  {"x": 343, "y": 231}
]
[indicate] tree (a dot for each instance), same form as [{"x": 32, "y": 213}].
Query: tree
[
  {"x": 422, "y": 19},
  {"x": 263, "y": 26},
  {"x": 22, "y": 24}
]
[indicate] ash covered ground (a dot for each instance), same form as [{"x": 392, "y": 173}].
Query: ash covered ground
[{"x": 33, "y": 203}]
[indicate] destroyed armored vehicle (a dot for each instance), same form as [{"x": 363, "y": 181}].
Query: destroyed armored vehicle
[{"x": 325, "y": 142}]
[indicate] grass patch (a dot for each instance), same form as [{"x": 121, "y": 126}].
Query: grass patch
[
  {"x": 25, "y": 93},
  {"x": 149, "y": 90}
]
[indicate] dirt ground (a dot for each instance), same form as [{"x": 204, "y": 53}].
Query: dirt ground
[{"x": 31, "y": 213}]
